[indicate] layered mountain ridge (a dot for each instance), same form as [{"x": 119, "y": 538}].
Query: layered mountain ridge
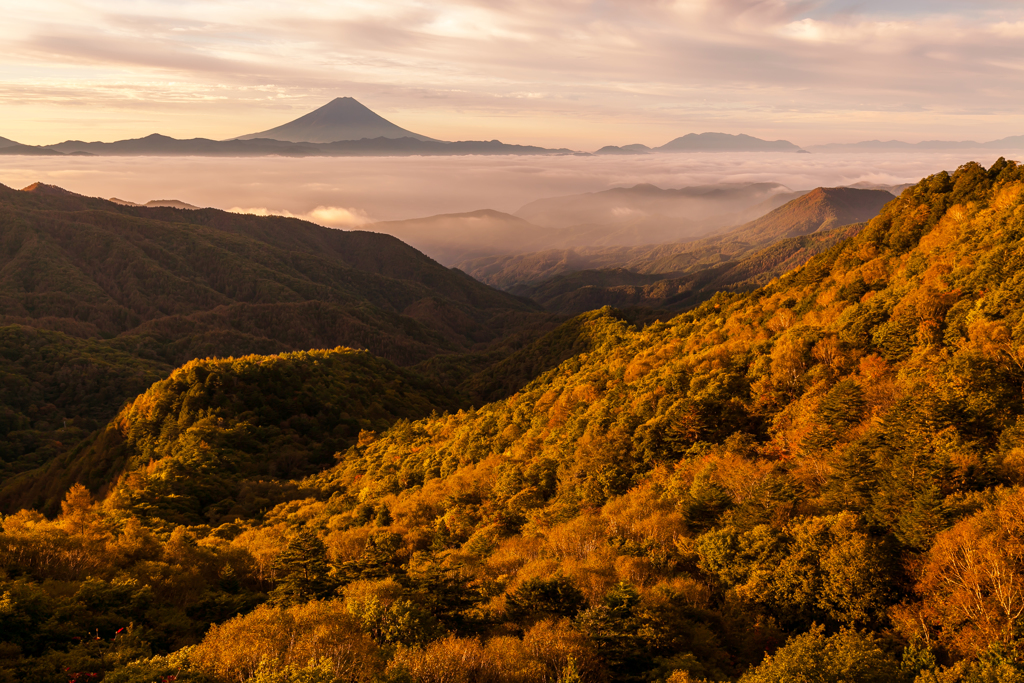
[
  {"x": 84, "y": 281},
  {"x": 346, "y": 127},
  {"x": 727, "y": 257},
  {"x": 820, "y": 479}
]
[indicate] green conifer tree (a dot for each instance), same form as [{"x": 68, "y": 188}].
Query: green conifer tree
[{"x": 305, "y": 572}]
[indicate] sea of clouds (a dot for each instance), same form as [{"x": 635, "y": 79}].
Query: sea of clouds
[{"x": 355, "y": 192}]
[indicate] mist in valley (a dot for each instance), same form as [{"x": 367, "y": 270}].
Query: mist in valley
[{"x": 355, "y": 192}]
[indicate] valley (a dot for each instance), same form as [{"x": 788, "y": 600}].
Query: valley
[{"x": 239, "y": 446}]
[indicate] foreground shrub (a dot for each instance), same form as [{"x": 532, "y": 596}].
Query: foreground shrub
[{"x": 274, "y": 638}]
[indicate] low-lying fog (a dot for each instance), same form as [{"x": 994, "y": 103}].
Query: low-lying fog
[{"x": 348, "y": 192}]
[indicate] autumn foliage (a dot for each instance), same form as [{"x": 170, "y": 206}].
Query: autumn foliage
[{"x": 819, "y": 480}]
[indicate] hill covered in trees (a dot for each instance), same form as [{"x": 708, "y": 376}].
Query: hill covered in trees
[
  {"x": 186, "y": 283},
  {"x": 98, "y": 300},
  {"x": 817, "y": 480}
]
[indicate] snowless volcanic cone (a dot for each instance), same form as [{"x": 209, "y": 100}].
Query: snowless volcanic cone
[{"x": 343, "y": 118}]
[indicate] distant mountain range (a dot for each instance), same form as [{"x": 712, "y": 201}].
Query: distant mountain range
[
  {"x": 1013, "y": 142},
  {"x": 161, "y": 145},
  {"x": 342, "y": 127},
  {"x": 346, "y": 127},
  {"x": 707, "y": 142},
  {"x": 722, "y": 142}
]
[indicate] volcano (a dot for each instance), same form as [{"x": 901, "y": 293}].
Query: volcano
[{"x": 343, "y": 118}]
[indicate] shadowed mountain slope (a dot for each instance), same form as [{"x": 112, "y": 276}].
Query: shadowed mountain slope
[
  {"x": 207, "y": 281},
  {"x": 343, "y": 118},
  {"x": 87, "y": 284}
]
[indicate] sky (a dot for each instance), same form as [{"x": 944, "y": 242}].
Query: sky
[{"x": 575, "y": 73}]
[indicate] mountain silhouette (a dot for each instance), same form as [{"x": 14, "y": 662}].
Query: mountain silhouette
[
  {"x": 723, "y": 142},
  {"x": 12, "y": 148},
  {"x": 205, "y": 282},
  {"x": 625, "y": 149},
  {"x": 156, "y": 203},
  {"x": 1013, "y": 142},
  {"x": 161, "y": 145},
  {"x": 343, "y": 118}
]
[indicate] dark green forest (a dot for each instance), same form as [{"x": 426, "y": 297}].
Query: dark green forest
[
  {"x": 98, "y": 300},
  {"x": 821, "y": 479}
]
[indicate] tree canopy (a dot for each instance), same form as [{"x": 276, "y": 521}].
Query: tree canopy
[{"x": 819, "y": 480}]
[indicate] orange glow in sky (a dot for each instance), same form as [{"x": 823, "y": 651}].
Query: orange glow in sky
[{"x": 575, "y": 73}]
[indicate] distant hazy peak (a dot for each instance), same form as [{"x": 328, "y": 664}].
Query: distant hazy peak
[
  {"x": 343, "y": 118},
  {"x": 1013, "y": 142},
  {"x": 625, "y": 149},
  {"x": 169, "y": 203},
  {"x": 479, "y": 213},
  {"x": 694, "y": 190},
  {"x": 4, "y": 142},
  {"x": 725, "y": 142},
  {"x": 155, "y": 203}
]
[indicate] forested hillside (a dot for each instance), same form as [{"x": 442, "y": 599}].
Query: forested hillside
[
  {"x": 200, "y": 441},
  {"x": 178, "y": 284},
  {"x": 98, "y": 300},
  {"x": 819, "y": 480}
]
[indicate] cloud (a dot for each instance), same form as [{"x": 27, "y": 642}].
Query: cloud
[
  {"x": 353, "y": 192},
  {"x": 560, "y": 72},
  {"x": 329, "y": 216}
]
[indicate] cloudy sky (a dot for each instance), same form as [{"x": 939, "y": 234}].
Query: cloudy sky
[{"x": 578, "y": 73}]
